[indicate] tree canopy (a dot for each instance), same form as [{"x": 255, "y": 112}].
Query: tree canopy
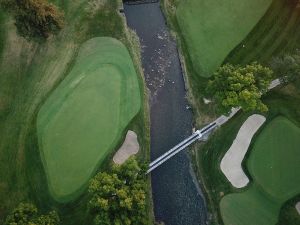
[
  {"x": 35, "y": 18},
  {"x": 27, "y": 214},
  {"x": 237, "y": 86},
  {"x": 286, "y": 67},
  {"x": 119, "y": 197}
]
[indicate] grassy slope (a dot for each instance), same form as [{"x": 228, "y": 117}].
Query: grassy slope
[
  {"x": 275, "y": 33},
  {"x": 29, "y": 72},
  {"x": 100, "y": 95},
  {"x": 211, "y": 29},
  {"x": 275, "y": 180}
]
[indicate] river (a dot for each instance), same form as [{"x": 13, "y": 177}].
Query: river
[{"x": 176, "y": 195}]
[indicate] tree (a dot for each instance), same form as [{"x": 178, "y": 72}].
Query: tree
[
  {"x": 118, "y": 197},
  {"x": 35, "y": 18},
  {"x": 27, "y": 214},
  {"x": 286, "y": 67},
  {"x": 237, "y": 86}
]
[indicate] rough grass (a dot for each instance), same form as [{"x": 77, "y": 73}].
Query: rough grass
[
  {"x": 28, "y": 74},
  {"x": 211, "y": 29},
  {"x": 85, "y": 117},
  {"x": 2, "y": 32},
  {"x": 274, "y": 167}
]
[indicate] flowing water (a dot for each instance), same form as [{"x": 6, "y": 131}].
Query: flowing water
[{"x": 177, "y": 198}]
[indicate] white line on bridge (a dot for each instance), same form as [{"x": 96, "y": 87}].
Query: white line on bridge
[{"x": 181, "y": 146}]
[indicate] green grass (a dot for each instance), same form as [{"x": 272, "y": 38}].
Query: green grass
[
  {"x": 279, "y": 175},
  {"x": 274, "y": 167},
  {"x": 2, "y": 32},
  {"x": 249, "y": 208},
  {"x": 207, "y": 157},
  {"x": 84, "y": 118},
  {"x": 29, "y": 72},
  {"x": 211, "y": 29},
  {"x": 277, "y": 32}
]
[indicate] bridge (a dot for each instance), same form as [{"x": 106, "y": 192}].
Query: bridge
[
  {"x": 198, "y": 135},
  {"x": 201, "y": 134}
]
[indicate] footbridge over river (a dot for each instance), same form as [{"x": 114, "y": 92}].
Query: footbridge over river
[
  {"x": 201, "y": 134},
  {"x": 198, "y": 135}
]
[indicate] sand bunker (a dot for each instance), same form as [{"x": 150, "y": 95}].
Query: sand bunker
[
  {"x": 231, "y": 164},
  {"x": 298, "y": 207},
  {"x": 129, "y": 147}
]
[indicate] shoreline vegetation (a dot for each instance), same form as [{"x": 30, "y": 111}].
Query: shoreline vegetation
[
  {"x": 207, "y": 156},
  {"x": 30, "y": 71}
]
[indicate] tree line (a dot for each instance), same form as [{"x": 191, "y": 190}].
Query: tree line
[{"x": 117, "y": 196}]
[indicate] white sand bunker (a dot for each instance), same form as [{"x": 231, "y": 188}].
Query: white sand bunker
[
  {"x": 298, "y": 207},
  {"x": 129, "y": 147},
  {"x": 231, "y": 164}
]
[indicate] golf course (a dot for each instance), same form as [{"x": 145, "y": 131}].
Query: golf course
[
  {"x": 84, "y": 118},
  {"x": 66, "y": 103},
  {"x": 274, "y": 165},
  {"x": 86, "y": 86},
  {"x": 211, "y": 34},
  {"x": 212, "y": 29}
]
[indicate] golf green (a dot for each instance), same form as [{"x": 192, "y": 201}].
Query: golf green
[
  {"x": 274, "y": 166},
  {"x": 274, "y": 161},
  {"x": 211, "y": 29},
  {"x": 84, "y": 118}
]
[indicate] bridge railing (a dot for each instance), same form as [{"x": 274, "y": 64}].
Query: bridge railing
[
  {"x": 181, "y": 146},
  {"x": 174, "y": 148}
]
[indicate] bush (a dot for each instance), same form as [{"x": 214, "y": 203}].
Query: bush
[
  {"x": 27, "y": 214},
  {"x": 119, "y": 197},
  {"x": 237, "y": 86},
  {"x": 35, "y": 19},
  {"x": 286, "y": 67}
]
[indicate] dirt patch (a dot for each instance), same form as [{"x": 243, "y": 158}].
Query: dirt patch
[
  {"x": 231, "y": 164},
  {"x": 129, "y": 147}
]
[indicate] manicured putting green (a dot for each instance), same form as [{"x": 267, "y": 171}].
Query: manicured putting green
[
  {"x": 211, "y": 29},
  {"x": 84, "y": 118},
  {"x": 252, "y": 207},
  {"x": 275, "y": 159},
  {"x": 274, "y": 165}
]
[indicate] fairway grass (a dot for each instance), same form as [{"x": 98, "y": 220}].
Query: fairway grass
[
  {"x": 211, "y": 29},
  {"x": 277, "y": 32},
  {"x": 84, "y": 118},
  {"x": 274, "y": 166}
]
